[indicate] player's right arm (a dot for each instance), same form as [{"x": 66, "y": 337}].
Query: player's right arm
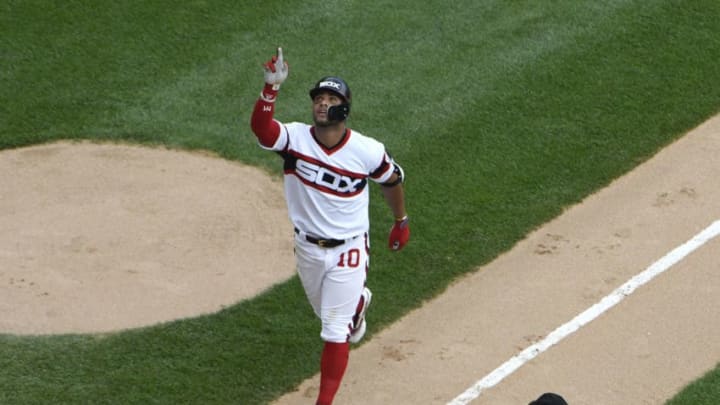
[{"x": 265, "y": 127}]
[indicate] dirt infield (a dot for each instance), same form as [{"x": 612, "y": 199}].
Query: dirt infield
[
  {"x": 104, "y": 237},
  {"x": 97, "y": 238}
]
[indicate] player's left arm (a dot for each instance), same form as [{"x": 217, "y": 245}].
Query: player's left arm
[{"x": 394, "y": 194}]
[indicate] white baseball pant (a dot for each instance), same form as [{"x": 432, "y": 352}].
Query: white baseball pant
[{"x": 333, "y": 279}]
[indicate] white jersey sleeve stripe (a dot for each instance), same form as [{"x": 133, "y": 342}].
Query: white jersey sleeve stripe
[{"x": 384, "y": 171}]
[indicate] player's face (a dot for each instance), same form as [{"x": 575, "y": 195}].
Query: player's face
[{"x": 321, "y": 103}]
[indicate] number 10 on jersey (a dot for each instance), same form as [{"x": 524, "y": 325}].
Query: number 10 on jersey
[{"x": 351, "y": 258}]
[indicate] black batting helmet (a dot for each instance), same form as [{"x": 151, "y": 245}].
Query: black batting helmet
[
  {"x": 338, "y": 86},
  {"x": 333, "y": 84}
]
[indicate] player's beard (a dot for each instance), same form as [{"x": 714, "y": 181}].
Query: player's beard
[{"x": 325, "y": 123}]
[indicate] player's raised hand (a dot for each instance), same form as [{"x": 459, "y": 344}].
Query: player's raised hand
[
  {"x": 399, "y": 234},
  {"x": 276, "y": 70}
]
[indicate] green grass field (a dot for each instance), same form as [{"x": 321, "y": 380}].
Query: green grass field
[{"x": 501, "y": 113}]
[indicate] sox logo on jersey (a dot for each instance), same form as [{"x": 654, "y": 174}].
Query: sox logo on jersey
[
  {"x": 328, "y": 179},
  {"x": 324, "y": 177}
]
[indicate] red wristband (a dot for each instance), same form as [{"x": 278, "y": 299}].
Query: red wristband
[{"x": 269, "y": 93}]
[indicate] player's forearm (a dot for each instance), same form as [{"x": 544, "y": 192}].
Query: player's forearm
[
  {"x": 395, "y": 198},
  {"x": 400, "y": 231},
  {"x": 266, "y": 129}
]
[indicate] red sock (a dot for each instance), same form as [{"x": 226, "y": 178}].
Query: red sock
[{"x": 333, "y": 362}]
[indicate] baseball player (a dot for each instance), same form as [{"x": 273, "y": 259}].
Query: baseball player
[{"x": 326, "y": 171}]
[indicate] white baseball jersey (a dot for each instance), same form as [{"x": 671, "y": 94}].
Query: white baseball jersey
[{"x": 327, "y": 190}]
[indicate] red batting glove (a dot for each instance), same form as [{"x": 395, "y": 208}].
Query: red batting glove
[{"x": 399, "y": 234}]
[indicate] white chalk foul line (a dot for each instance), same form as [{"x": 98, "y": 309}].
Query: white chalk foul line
[{"x": 588, "y": 315}]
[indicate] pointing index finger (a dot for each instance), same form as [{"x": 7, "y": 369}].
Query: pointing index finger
[{"x": 280, "y": 56}]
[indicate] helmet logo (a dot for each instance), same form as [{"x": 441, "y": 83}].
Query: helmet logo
[{"x": 334, "y": 85}]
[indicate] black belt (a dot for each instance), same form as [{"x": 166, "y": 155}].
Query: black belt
[{"x": 326, "y": 243}]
